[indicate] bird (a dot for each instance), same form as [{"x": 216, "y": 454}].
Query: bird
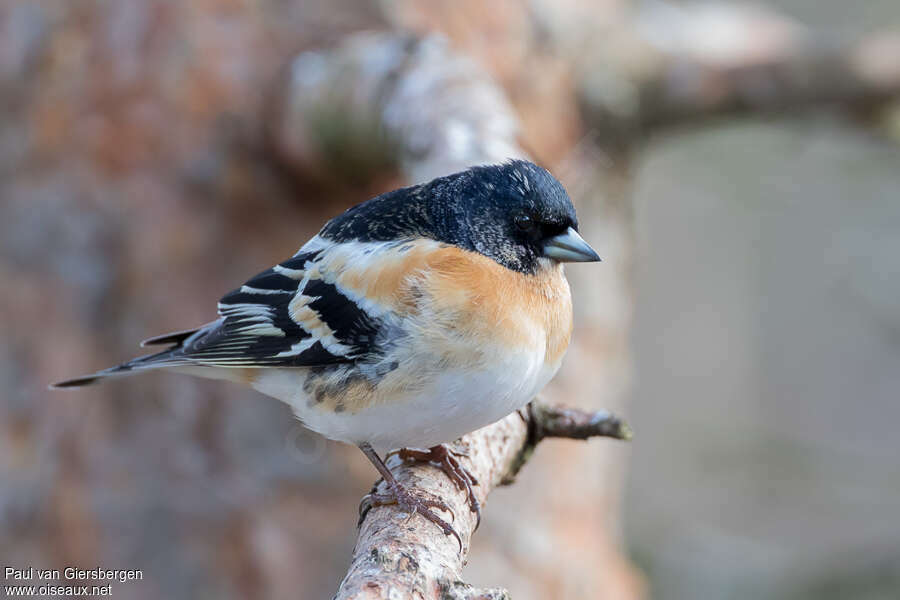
[{"x": 407, "y": 321}]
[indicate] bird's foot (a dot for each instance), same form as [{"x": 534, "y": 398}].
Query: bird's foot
[
  {"x": 446, "y": 459},
  {"x": 410, "y": 503}
]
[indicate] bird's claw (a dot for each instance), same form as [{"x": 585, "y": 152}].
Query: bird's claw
[
  {"x": 409, "y": 503},
  {"x": 446, "y": 459}
]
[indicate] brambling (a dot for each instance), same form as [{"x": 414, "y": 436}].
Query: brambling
[{"x": 407, "y": 321}]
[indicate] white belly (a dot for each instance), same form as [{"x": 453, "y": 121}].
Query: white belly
[{"x": 443, "y": 406}]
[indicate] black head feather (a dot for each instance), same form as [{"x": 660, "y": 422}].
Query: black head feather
[{"x": 501, "y": 211}]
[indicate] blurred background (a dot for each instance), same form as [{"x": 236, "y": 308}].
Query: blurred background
[{"x": 736, "y": 165}]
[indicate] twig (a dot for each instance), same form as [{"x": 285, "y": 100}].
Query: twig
[{"x": 556, "y": 421}]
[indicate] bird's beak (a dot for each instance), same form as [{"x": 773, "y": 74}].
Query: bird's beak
[{"x": 569, "y": 247}]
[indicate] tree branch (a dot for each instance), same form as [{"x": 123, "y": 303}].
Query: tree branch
[
  {"x": 346, "y": 112},
  {"x": 670, "y": 64},
  {"x": 401, "y": 556}
]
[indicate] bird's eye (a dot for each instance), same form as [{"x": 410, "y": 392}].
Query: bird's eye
[{"x": 524, "y": 222}]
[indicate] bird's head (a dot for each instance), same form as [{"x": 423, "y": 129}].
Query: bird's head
[
  {"x": 515, "y": 213},
  {"x": 518, "y": 214}
]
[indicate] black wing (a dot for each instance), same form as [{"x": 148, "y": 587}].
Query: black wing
[{"x": 284, "y": 316}]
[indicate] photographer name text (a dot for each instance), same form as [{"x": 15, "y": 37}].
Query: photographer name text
[
  {"x": 73, "y": 574},
  {"x": 68, "y": 578}
]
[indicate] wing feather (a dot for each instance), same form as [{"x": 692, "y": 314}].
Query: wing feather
[{"x": 287, "y": 316}]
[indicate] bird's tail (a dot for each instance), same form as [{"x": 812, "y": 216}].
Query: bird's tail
[
  {"x": 171, "y": 357},
  {"x": 166, "y": 358}
]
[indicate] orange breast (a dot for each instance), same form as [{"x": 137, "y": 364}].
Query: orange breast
[
  {"x": 471, "y": 294},
  {"x": 502, "y": 305}
]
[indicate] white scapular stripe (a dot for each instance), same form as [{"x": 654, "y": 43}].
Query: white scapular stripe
[{"x": 246, "y": 289}]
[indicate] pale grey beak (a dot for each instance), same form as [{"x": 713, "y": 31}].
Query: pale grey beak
[{"x": 569, "y": 247}]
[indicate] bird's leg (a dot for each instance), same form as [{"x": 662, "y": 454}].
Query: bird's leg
[
  {"x": 446, "y": 459},
  {"x": 399, "y": 495}
]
